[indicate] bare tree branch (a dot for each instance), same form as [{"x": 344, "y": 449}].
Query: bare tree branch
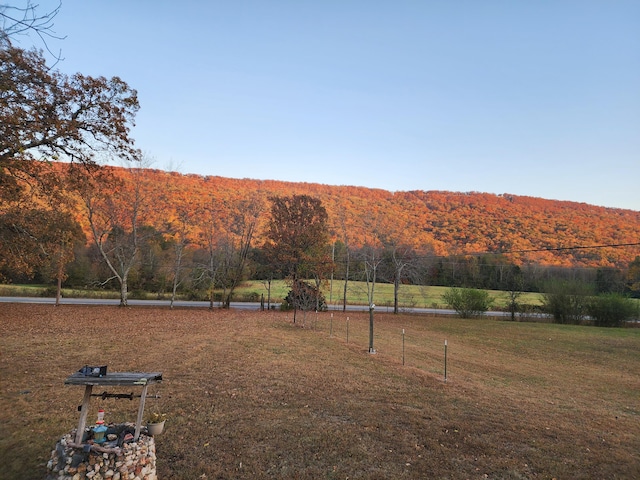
[{"x": 26, "y": 20}]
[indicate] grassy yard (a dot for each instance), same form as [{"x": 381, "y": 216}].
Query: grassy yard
[{"x": 251, "y": 395}]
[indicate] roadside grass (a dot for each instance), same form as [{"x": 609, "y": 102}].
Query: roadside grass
[
  {"x": 39, "y": 290},
  {"x": 19, "y": 290},
  {"x": 252, "y": 395}
]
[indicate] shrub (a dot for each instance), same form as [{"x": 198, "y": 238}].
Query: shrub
[
  {"x": 304, "y": 296},
  {"x": 196, "y": 294},
  {"x": 138, "y": 294},
  {"x": 566, "y": 301},
  {"x": 251, "y": 297},
  {"x": 611, "y": 309},
  {"x": 49, "y": 291},
  {"x": 468, "y": 302}
]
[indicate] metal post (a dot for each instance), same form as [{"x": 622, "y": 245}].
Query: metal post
[
  {"x": 445, "y": 361},
  {"x": 371, "y": 349},
  {"x": 331, "y": 326},
  {"x": 347, "y": 329},
  {"x": 333, "y": 258},
  {"x": 403, "y": 346}
]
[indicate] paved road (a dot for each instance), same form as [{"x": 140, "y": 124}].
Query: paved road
[
  {"x": 235, "y": 305},
  {"x": 242, "y": 306},
  {"x": 132, "y": 302}
]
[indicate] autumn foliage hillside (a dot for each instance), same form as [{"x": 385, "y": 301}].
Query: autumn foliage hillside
[{"x": 438, "y": 222}]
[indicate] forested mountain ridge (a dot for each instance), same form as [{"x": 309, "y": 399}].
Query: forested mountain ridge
[{"x": 432, "y": 222}]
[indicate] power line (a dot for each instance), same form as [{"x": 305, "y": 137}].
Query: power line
[
  {"x": 577, "y": 247},
  {"x": 547, "y": 249}
]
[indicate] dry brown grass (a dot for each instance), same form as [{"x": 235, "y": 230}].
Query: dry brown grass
[{"x": 250, "y": 395}]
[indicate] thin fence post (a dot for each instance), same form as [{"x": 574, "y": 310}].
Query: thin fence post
[
  {"x": 347, "y": 329},
  {"x": 403, "y": 346},
  {"x": 445, "y": 361},
  {"x": 331, "y": 326}
]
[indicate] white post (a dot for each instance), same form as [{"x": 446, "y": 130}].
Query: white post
[
  {"x": 331, "y": 326},
  {"x": 445, "y": 361},
  {"x": 347, "y": 329}
]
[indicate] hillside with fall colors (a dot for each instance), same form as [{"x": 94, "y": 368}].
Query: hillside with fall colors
[{"x": 438, "y": 222}]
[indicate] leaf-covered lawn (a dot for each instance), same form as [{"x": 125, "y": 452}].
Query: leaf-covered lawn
[{"x": 251, "y": 395}]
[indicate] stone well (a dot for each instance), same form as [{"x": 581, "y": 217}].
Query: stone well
[{"x": 120, "y": 458}]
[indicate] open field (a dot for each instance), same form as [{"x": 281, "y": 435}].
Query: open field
[
  {"x": 251, "y": 395},
  {"x": 409, "y": 295}
]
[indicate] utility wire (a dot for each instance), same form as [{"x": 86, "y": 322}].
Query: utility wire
[
  {"x": 552, "y": 249},
  {"x": 530, "y": 250}
]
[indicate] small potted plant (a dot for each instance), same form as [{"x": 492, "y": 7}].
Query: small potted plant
[{"x": 155, "y": 423}]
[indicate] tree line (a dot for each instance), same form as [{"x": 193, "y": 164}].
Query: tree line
[
  {"x": 66, "y": 218},
  {"x": 195, "y": 252}
]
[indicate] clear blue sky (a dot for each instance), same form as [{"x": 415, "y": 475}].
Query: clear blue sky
[{"x": 537, "y": 97}]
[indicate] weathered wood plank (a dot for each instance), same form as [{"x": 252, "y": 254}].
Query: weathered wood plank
[
  {"x": 143, "y": 397},
  {"x": 84, "y": 410},
  {"x": 116, "y": 379}
]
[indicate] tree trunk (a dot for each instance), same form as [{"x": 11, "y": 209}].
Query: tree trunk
[
  {"x": 123, "y": 291},
  {"x": 173, "y": 294},
  {"x": 346, "y": 281},
  {"x": 211, "y": 296},
  {"x": 176, "y": 273},
  {"x": 317, "y": 279},
  {"x": 226, "y": 299},
  {"x": 371, "y": 349},
  {"x": 396, "y": 288},
  {"x": 58, "y": 289},
  {"x": 333, "y": 262},
  {"x": 269, "y": 295}
]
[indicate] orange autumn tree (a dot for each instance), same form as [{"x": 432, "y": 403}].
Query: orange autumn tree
[
  {"x": 297, "y": 240},
  {"x": 47, "y": 115},
  {"x": 458, "y": 233}
]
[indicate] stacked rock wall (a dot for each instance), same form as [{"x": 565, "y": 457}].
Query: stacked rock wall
[{"x": 130, "y": 461}]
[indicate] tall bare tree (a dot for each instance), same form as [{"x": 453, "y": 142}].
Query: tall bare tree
[
  {"x": 400, "y": 262},
  {"x": 208, "y": 270},
  {"x": 116, "y": 208},
  {"x": 372, "y": 258},
  {"x": 244, "y": 216},
  {"x": 345, "y": 253},
  {"x": 181, "y": 232}
]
